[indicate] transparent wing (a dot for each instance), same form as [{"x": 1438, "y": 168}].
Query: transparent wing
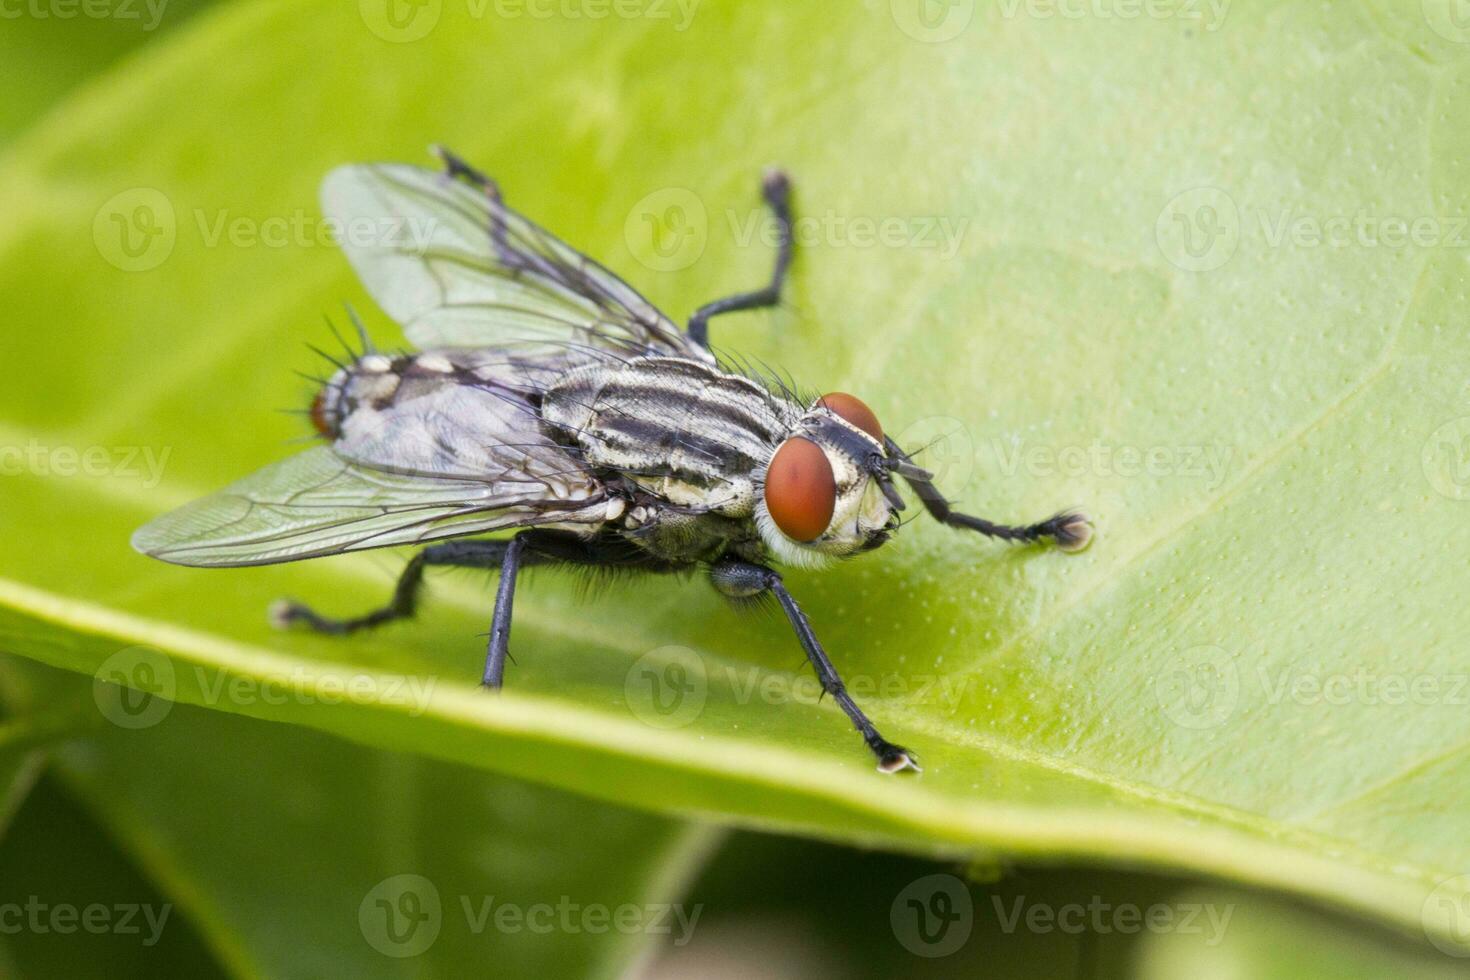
[
  {"x": 317, "y": 503},
  {"x": 445, "y": 258}
]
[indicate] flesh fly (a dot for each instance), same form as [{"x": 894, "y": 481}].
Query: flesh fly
[{"x": 548, "y": 397}]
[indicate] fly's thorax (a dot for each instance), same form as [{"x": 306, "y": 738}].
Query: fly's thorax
[
  {"x": 820, "y": 492},
  {"x": 686, "y": 431}
]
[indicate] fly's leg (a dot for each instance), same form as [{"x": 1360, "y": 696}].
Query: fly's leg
[
  {"x": 499, "y": 646},
  {"x": 744, "y": 580},
  {"x": 403, "y": 605},
  {"x": 776, "y": 189},
  {"x": 1070, "y": 529},
  {"x": 456, "y": 168},
  {"x": 532, "y": 547},
  {"x": 508, "y": 556},
  {"x": 287, "y": 612}
]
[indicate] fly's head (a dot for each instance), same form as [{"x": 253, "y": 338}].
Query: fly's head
[{"x": 827, "y": 491}]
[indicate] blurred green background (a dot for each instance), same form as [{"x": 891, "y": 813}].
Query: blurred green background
[{"x": 1070, "y": 822}]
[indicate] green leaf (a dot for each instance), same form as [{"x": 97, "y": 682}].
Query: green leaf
[
  {"x": 75, "y": 906},
  {"x": 1129, "y": 267},
  {"x": 299, "y": 855},
  {"x": 47, "y": 49}
]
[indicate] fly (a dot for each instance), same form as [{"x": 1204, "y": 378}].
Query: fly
[{"x": 549, "y": 397}]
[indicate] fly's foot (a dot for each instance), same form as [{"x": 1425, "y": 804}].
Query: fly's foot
[
  {"x": 894, "y": 758},
  {"x": 1072, "y": 530},
  {"x": 285, "y": 613}
]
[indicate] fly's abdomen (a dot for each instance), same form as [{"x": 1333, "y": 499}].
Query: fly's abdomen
[{"x": 682, "y": 429}]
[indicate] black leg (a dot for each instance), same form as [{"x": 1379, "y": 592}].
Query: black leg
[
  {"x": 499, "y": 646},
  {"x": 743, "y": 580},
  {"x": 454, "y": 166},
  {"x": 404, "y": 603},
  {"x": 1070, "y": 529},
  {"x": 776, "y": 189},
  {"x": 532, "y": 547},
  {"x": 510, "y": 256},
  {"x": 504, "y": 555}
]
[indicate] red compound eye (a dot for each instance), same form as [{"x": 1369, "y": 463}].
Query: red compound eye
[
  {"x": 851, "y": 409},
  {"x": 801, "y": 491},
  {"x": 319, "y": 419}
]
